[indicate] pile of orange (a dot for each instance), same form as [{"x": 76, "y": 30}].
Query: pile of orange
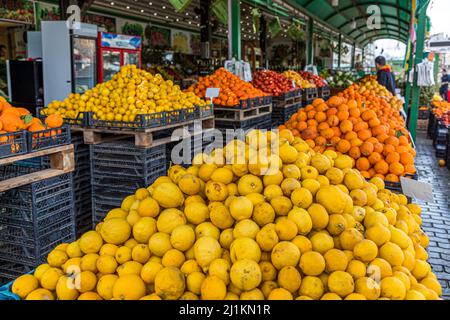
[
  {"x": 14, "y": 119},
  {"x": 370, "y": 86},
  {"x": 232, "y": 88},
  {"x": 363, "y": 126},
  {"x": 440, "y": 108}
]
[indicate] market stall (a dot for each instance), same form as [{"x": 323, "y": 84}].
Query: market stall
[{"x": 128, "y": 191}]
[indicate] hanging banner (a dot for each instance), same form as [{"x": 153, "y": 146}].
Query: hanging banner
[
  {"x": 295, "y": 32},
  {"x": 220, "y": 9},
  {"x": 256, "y": 19},
  {"x": 180, "y": 5},
  {"x": 274, "y": 26},
  {"x": 181, "y": 41},
  {"x": 21, "y": 10}
]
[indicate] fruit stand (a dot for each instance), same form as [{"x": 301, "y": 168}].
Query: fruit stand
[{"x": 120, "y": 193}]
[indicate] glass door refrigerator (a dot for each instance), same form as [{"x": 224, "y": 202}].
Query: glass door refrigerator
[
  {"x": 84, "y": 62},
  {"x": 69, "y": 59},
  {"x": 115, "y": 51}
]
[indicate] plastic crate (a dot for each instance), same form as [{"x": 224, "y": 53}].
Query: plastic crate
[
  {"x": 324, "y": 92},
  {"x": 432, "y": 125},
  {"x": 441, "y": 151},
  {"x": 424, "y": 114},
  {"x": 396, "y": 186},
  {"x": 5, "y": 290},
  {"x": 34, "y": 218},
  {"x": 48, "y": 138},
  {"x": 13, "y": 144},
  {"x": 282, "y": 115},
  {"x": 104, "y": 201},
  {"x": 253, "y": 123},
  {"x": 250, "y": 103}
]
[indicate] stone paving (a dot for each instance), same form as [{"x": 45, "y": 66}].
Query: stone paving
[{"x": 436, "y": 214}]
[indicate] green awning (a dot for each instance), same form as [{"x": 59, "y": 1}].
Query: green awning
[{"x": 350, "y": 17}]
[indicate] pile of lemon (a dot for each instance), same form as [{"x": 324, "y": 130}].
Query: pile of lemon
[
  {"x": 280, "y": 223},
  {"x": 298, "y": 79},
  {"x": 130, "y": 92}
]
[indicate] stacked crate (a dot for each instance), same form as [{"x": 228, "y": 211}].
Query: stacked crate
[
  {"x": 285, "y": 106},
  {"x": 440, "y": 140},
  {"x": 33, "y": 220},
  {"x": 249, "y": 114},
  {"x": 197, "y": 144},
  {"x": 118, "y": 169},
  {"x": 82, "y": 185}
]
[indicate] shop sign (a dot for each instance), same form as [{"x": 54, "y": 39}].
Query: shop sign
[
  {"x": 108, "y": 23},
  {"x": 17, "y": 10},
  {"x": 112, "y": 40}
]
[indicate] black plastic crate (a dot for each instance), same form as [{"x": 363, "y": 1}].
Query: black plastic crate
[
  {"x": 282, "y": 115},
  {"x": 310, "y": 94},
  {"x": 324, "y": 92},
  {"x": 197, "y": 144},
  {"x": 13, "y": 144},
  {"x": 10, "y": 271},
  {"x": 441, "y": 151},
  {"x": 35, "y": 252},
  {"x": 253, "y": 123},
  {"x": 250, "y": 103},
  {"x": 424, "y": 114},
  {"x": 432, "y": 124},
  {"x": 104, "y": 201},
  {"x": 397, "y": 186},
  {"x": 48, "y": 138}
]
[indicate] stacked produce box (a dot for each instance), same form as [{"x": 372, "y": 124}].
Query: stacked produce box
[
  {"x": 286, "y": 99},
  {"x": 239, "y": 105},
  {"x": 439, "y": 122},
  {"x": 117, "y": 169}
]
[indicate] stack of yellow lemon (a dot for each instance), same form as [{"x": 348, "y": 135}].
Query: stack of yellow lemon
[
  {"x": 249, "y": 221},
  {"x": 298, "y": 79},
  {"x": 130, "y": 92}
]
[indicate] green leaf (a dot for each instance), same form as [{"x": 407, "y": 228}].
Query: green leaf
[
  {"x": 274, "y": 26},
  {"x": 180, "y": 5},
  {"x": 27, "y": 118},
  {"x": 398, "y": 134},
  {"x": 220, "y": 9}
]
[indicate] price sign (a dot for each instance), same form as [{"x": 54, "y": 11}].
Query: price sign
[
  {"x": 417, "y": 189},
  {"x": 212, "y": 93}
]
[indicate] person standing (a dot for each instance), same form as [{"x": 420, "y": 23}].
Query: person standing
[
  {"x": 443, "y": 90},
  {"x": 385, "y": 77}
]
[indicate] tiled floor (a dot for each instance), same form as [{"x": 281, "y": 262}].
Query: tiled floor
[{"x": 436, "y": 214}]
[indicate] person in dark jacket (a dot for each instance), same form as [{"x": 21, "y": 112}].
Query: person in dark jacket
[
  {"x": 443, "y": 91},
  {"x": 385, "y": 77}
]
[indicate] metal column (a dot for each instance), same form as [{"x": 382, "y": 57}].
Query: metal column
[
  {"x": 310, "y": 43},
  {"x": 339, "y": 50},
  {"x": 234, "y": 29},
  {"x": 420, "y": 44},
  {"x": 353, "y": 56}
]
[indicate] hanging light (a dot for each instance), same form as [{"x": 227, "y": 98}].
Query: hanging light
[
  {"x": 335, "y": 3},
  {"x": 354, "y": 24}
]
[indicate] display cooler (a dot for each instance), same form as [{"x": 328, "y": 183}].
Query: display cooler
[{"x": 115, "y": 51}]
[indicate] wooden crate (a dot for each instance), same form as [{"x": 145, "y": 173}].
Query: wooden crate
[
  {"x": 62, "y": 161},
  {"x": 235, "y": 114},
  {"x": 143, "y": 139}
]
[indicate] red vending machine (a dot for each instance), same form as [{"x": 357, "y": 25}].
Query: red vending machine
[{"x": 115, "y": 51}]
